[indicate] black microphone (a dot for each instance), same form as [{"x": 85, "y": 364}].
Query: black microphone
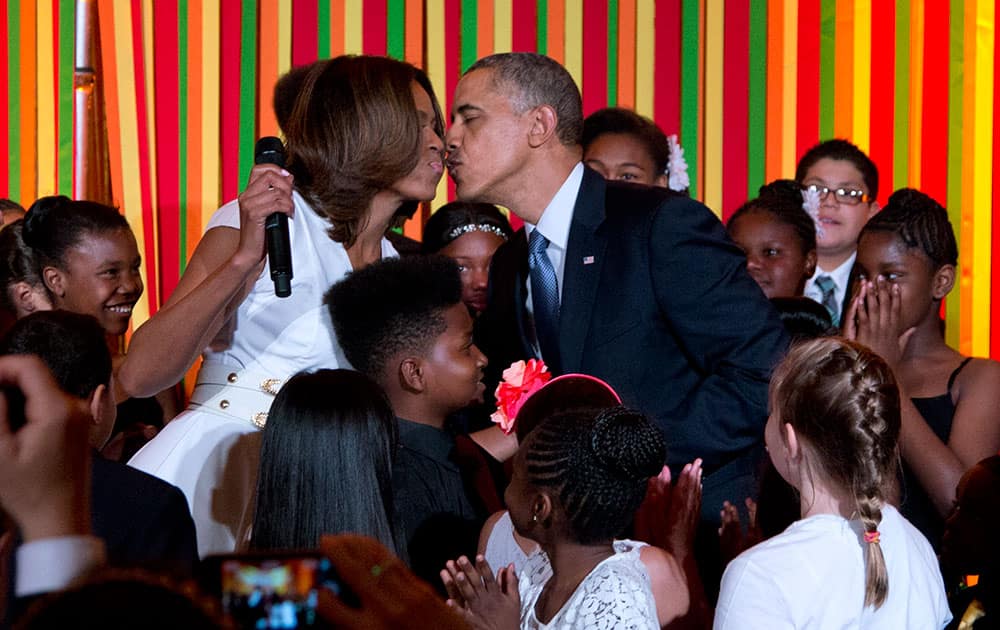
[{"x": 269, "y": 150}]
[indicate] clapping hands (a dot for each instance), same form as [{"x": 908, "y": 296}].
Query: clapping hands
[{"x": 486, "y": 602}]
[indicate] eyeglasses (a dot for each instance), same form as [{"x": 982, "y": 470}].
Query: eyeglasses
[{"x": 848, "y": 196}]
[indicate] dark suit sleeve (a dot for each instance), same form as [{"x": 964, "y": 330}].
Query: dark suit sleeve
[{"x": 729, "y": 331}]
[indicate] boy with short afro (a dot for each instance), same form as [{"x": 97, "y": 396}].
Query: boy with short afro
[{"x": 403, "y": 324}]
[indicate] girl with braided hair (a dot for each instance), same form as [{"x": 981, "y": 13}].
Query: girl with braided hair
[
  {"x": 906, "y": 266},
  {"x": 852, "y": 561},
  {"x": 577, "y": 481}
]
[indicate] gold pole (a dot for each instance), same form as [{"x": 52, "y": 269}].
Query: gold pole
[{"x": 91, "y": 168}]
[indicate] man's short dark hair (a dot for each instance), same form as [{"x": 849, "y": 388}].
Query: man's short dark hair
[
  {"x": 72, "y": 345},
  {"x": 839, "y": 149},
  {"x": 531, "y": 80},
  {"x": 392, "y": 306}
]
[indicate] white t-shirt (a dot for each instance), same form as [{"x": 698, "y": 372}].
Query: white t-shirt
[
  {"x": 812, "y": 575},
  {"x": 615, "y": 595}
]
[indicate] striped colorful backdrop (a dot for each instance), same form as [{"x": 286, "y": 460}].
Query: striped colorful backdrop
[{"x": 748, "y": 85}]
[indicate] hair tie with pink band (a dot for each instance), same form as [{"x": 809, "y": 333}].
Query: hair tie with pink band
[{"x": 871, "y": 537}]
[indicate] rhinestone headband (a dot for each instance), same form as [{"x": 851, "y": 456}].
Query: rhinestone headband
[{"x": 476, "y": 227}]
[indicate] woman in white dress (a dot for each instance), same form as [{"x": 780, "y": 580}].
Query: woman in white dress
[
  {"x": 577, "y": 480},
  {"x": 363, "y": 142}
]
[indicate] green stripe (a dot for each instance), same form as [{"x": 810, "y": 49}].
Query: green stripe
[
  {"x": 396, "y": 29},
  {"x": 612, "y": 53},
  {"x": 542, "y": 27},
  {"x": 323, "y": 17},
  {"x": 182, "y": 176},
  {"x": 65, "y": 71},
  {"x": 956, "y": 72},
  {"x": 690, "y": 86},
  {"x": 248, "y": 89},
  {"x": 470, "y": 32},
  {"x": 901, "y": 113},
  {"x": 827, "y": 66},
  {"x": 14, "y": 100},
  {"x": 757, "y": 97}
]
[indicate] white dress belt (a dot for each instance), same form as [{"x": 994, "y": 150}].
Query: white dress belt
[{"x": 238, "y": 393}]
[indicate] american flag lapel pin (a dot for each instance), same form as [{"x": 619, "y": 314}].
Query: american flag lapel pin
[{"x": 588, "y": 260}]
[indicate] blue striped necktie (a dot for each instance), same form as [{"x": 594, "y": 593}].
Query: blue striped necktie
[
  {"x": 828, "y": 288},
  {"x": 544, "y": 297}
]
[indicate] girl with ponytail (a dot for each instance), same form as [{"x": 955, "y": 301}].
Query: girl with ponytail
[{"x": 852, "y": 561}]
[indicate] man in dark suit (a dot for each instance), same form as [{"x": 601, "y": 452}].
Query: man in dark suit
[
  {"x": 143, "y": 520},
  {"x": 631, "y": 284}
]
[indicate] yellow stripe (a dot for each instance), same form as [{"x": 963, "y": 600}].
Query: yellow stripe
[
  {"x": 966, "y": 236},
  {"x": 861, "y": 118},
  {"x": 645, "y": 55},
  {"x": 353, "y": 27},
  {"x": 574, "y": 40},
  {"x": 789, "y": 87},
  {"x": 285, "y": 37},
  {"x": 150, "y": 81},
  {"x": 916, "y": 89},
  {"x": 45, "y": 82},
  {"x": 131, "y": 201},
  {"x": 982, "y": 185},
  {"x": 503, "y": 25},
  {"x": 435, "y": 54},
  {"x": 210, "y": 82},
  {"x": 714, "y": 71}
]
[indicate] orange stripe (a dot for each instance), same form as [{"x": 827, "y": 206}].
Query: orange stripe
[
  {"x": 626, "y": 54},
  {"x": 194, "y": 85},
  {"x": 843, "y": 96},
  {"x": 484, "y": 35},
  {"x": 775, "y": 85},
  {"x": 415, "y": 32},
  {"x": 29, "y": 82},
  {"x": 267, "y": 53},
  {"x": 338, "y": 17},
  {"x": 557, "y": 31}
]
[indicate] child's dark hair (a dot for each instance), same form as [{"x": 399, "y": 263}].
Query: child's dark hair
[
  {"x": 920, "y": 223},
  {"x": 10, "y": 204},
  {"x": 839, "y": 149},
  {"x": 782, "y": 199},
  {"x": 73, "y": 346},
  {"x": 392, "y": 306},
  {"x": 804, "y": 318},
  {"x": 452, "y": 220},
  {"x": 325, "y": 462},
  {"x": 17, "y": 263},
  {"x": 54, "y": 225},
  {"x": 597, "y": 462},
  {"x": 626, "y": 121},
  {"x": 842, "y": 399}
]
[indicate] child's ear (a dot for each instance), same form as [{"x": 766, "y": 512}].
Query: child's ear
[
  {"x": 55, "y": 280},
  {"x": 411, "y": 375},
  {"x": 810, "y": 267},
  {"x": 96, "y": 404},
  {"x": 791, "y": 441},
  {"x": 22, "y": 295},
  {"x": 943, "y": 282},
  {"x": 541, "y": 508},
  {"x": 661, "y": 180}
]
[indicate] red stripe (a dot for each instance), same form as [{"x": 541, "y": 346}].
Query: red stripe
[
  {"x": 453, "y": 58},
  {"x": 995, "y": 277},
  {"x": 4, "y": 104},
  {"x": 934, "y": 144},
  {"x": 305, "y": 27},
  {"x": 667, "y": 69},
  {"x": 734, "y": 106},
  {"x": 229, "y": 96},
  {"x": 526, "y": 30},
  {"x": 166, "y": 67},
  {"x": 807, "y": 77},
  {"x": 595, "y": 56},
  {"x": 145, "y": 188},
  {"x": 883, "y": 93},
  {"x": 375, "y": 25}
]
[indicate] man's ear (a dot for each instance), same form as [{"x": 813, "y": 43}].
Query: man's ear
[
  {"x": 543, "y": 125},
  {"x": 411, "y": 375},
  {"x": 55, "y": 280},
  {"x": 943, "y": 282},
  {"x": 96, "y": 403}
]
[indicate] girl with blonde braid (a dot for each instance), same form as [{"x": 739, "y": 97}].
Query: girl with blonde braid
[{"x": 851, "y": 561}]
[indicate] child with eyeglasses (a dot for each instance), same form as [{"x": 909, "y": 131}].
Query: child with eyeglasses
[{"x": 847, "y": 182}]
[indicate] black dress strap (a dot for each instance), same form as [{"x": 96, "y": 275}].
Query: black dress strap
[{"x": 951, "y": 379}]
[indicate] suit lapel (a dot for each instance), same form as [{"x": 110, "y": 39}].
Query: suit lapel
[{"x": 581, "y": 277}]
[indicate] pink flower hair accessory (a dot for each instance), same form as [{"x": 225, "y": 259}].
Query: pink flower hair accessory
[{"x": 520, "y": 381}]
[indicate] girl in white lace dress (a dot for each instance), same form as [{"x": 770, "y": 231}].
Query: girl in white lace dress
[{"x": 577, "y": 480}]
